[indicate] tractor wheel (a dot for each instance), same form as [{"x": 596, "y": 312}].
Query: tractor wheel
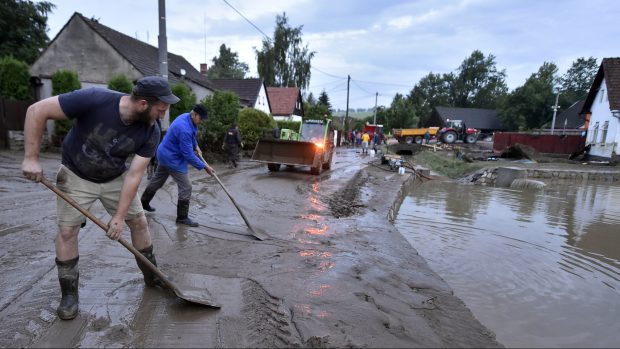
[
  {"x": 471, "y": 139},
  {"x": 409, "y": 139},
  {"x": 418, "y": 139},
  {"x": 316, "y": 170},
  {"x": 273, "y": 167},
  {"x": 328, "y": 164},
  {"x": 449, "y": 137}
]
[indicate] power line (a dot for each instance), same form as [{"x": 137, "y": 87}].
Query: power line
[{"x": 240, "y": 14}]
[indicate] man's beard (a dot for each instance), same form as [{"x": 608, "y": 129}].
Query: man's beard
[{"x": 145, "y": 117}]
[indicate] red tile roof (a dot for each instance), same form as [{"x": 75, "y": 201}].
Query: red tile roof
[{"x": 282, "y": 100}]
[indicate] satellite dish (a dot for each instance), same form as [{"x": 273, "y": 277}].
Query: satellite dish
[{"x": 182, "y": 72}]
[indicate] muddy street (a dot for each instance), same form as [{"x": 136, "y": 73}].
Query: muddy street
[{"x": 334, "y": 273}]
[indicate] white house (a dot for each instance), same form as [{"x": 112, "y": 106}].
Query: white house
[{"x": 602, "y": 110}]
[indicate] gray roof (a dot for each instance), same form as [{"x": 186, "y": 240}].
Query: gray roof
[
  {"x": 472, "y": 117},
  {"x": 571, "y": 116},
  {"x": 246, "y": 89},
  {"x": 144, "y": 57}
]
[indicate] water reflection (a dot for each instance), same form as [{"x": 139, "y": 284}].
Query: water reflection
[{"x": 539, "y": 268}]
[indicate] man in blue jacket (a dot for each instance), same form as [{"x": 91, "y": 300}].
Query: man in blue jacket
[{"x": 175, "y": 152}]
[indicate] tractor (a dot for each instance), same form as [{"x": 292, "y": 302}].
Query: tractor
[{"x": 456, "y": 130}]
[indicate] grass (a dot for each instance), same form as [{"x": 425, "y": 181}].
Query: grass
[{"x": 444, "y": 163}]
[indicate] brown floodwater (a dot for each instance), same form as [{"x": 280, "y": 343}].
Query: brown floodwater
[{"x": 541, "y": 268}]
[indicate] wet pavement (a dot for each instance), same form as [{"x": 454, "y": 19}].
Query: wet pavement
[{"x": 334, "y": 273}]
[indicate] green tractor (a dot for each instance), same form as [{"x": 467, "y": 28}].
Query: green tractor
[{"x": 312, "y": 145}]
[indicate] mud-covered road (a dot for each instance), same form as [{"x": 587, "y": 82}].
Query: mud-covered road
[{"x": 336, "y": 273}]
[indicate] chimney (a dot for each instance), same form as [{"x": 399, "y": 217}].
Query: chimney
[{"x": 203, "y": 68}]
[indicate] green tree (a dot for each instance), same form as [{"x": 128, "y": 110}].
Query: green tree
[
  {"x": 227, "y": 66},
  {"x": 431, "y": 91},
  {"x": 120, "y": 83},
  {"x": 14, "y": 79},
  {"x": 575, "y": 83},
  {"x": 528, "y": 106},
  {"x": 318, "y": 109},
  {"x": 23, "y": 26},
  {"x": 253, "y": 123},
  {"x": 478, "y": 83},
  {"x": 401, "y": 114},
  {"x": 223, "y": 108},
  {"x": 283, "y": 62},
  {"x": 63, "y": 81},
  {"x": 187, "y": 100}
]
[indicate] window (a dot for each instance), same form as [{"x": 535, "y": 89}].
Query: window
[
  {"x": 604, "y": 133},
  {"x": 602, "y": 95},
  {"x": 594, "y": 133}
]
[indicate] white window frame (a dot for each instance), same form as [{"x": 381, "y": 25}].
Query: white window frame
[
  {"x": 604, "y": 132},
  {"x": 594, "y": 133}
]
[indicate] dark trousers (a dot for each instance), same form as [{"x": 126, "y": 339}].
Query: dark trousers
[{"x": 161, "y": 175}]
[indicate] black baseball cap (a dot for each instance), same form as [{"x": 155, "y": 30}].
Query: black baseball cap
[
  {"x": 201, "y": 110},
  {"x": 155, "y": 86}
]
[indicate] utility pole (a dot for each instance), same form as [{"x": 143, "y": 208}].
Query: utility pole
[
  {"x": 374, "y": 119},
  {"x": 162, "y": 51},
  {"x": 346, "y": 113},
  {"x": 555, "y": 110}
]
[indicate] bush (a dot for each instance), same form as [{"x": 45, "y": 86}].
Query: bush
[
  {"x": 120, "y": 83},
  {"x": 63, "y": 81},
  {"x": 223, "y": 108},
  {"x": 14, "y": 79},
  {"x": 187, "y": 99},
  {"x": 252, "y": 124}
]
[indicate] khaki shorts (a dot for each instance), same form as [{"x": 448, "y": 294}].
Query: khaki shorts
[{"x": 85, "y": 193}]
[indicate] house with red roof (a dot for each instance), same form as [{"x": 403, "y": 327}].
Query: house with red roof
[{"x": 286, "y": 103}]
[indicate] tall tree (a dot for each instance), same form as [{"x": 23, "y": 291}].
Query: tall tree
[
  {"x": 318, "y": 109},
  {"x": 478, "y": 83},
  {"x": 23, "y": 28},
  {"x": 283, "y": 61},
  {"x": 528, "y": 106},
  {"x": 433, "y": 90},
  {"x": 400, "y": 114},
  {"x": 227, "y": 65},
  {"x": 576, "y": 82}
]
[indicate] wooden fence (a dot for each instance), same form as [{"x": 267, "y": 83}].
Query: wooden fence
[
  {"x": 12, "y": 116},
  {"x": 550, "y": 144}
]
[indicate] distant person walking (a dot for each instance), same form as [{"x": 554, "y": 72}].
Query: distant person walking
[
  {"x": 365, "y": 140},
  {"x": 232, "y": 142}
]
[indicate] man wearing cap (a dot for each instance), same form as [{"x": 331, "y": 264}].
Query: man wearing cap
[
  {"x": 175, "y": 152},
  {"x": 108, "y": 128}
]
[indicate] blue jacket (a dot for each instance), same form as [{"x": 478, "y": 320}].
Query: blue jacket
[{"x": 177, "y": 148}]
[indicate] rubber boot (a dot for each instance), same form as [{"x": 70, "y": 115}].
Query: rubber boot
[
  {"x": 68, "y": 276},
  {"x": 182, "y": 214},
  {"x": 150, "y": 278},
  {"x": 146, "y": 198}
]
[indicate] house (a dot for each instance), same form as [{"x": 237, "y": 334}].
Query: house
[
  {"x": 485, "y": 120},
  {"x": 252, "y": 92},
  {"x": 97, "y": 53},
  {"x": 286, "y": 103},
  {"x": 602, "y": 112}
]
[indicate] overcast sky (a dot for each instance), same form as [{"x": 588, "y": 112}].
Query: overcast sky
[{"x": 386, "y": 46}]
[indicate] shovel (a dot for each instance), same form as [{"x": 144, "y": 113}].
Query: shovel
[
  {"x": 259, "y": 235},
  {"x": 193, "y": 296}
]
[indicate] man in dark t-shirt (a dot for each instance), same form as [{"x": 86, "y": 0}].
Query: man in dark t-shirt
[{"x": 108, "y": 128}]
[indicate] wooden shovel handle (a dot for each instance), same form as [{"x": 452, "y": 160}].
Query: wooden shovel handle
[{"x": 105, "y": 227}]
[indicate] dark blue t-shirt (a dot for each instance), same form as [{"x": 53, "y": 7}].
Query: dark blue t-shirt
[{"x": 99, "y": 143}]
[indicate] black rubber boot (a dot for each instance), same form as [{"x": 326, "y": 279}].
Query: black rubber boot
[
  {"x": 150, "y": 278},
  {"x": 182, "y": 214},
  {"x": 146, "y": 198},
  {"x": 69, "y": 277}
]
